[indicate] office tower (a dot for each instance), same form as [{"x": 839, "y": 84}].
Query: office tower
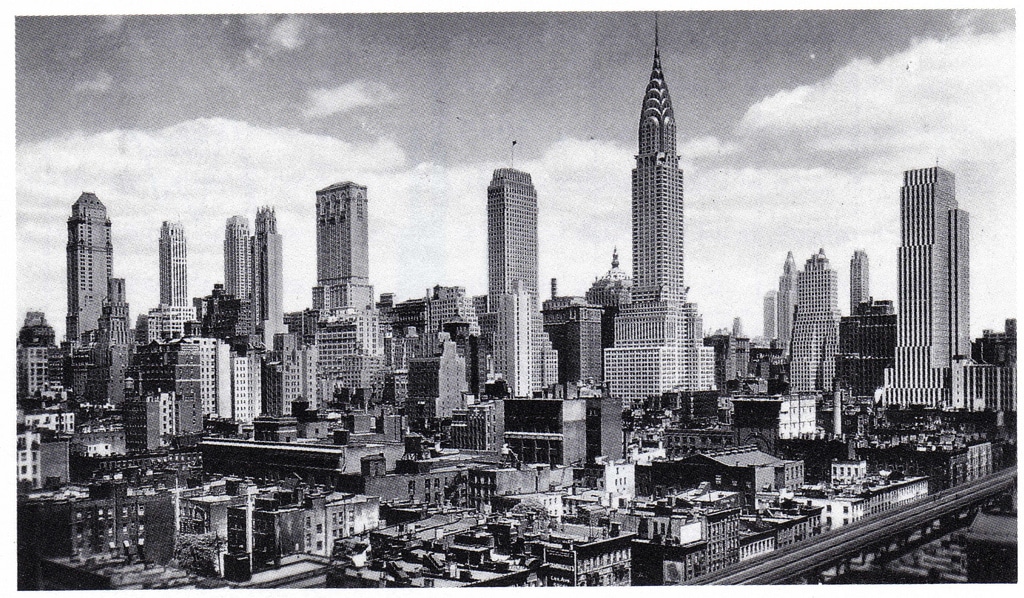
[
  {"x": 512, "y": 270},
  {"x": 90, "y": 263},
  {"x": 737, "y": 327},
  {"x": 173, "y": 265},
  {"x": 214, "y": 375},
  {"x": 226, "y": 317},
  {"x": 787, "y": 301},
  {"x": 574, "y": 327},
  {"x": 169, "y": 366},
  {"x": 993, "y": 348},
  {"x": 436, "y": 386},
  {"x": 867, "y": 347},
  {"x": 342, "y": 248},
  {"x": 771, "y": 315},
  {"x": 114, "y": 324},
  {"x": 289, "y": 375},
  {"x": 860, "y": 289},
  {"x": 933, "y": 290},
  {"x": 816, "y": 327},
  {"x": 512, "y": 338},
  {"x": 511, "y": 232},
  {"x": 348, "y": 333},
  {"x": 35, "y": 342},
  {"x": 238, "y": 258},
  {"x": 447, "y": 305},
  {"x": 268, "y": 277},
  {"x": 111, "y": 353},
  {"x": 658, "y": 342}
]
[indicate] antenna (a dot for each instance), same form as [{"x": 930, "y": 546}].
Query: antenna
[{"x": 513, "y": 154}]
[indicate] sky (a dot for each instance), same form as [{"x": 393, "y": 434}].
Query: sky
[{"x": 794, "y": 129}]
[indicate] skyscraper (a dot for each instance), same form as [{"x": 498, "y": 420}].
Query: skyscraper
[
  {"x": 787, "y": 301},
  {"x": 933, "y": 290},
  {"x": 90, "y": 263},
  {"x": 771, "y": 315},
  {"x": 237, "y": 258},
  {"x": 173, "y": 265},
  {"x": 348, "y": 335},
  {"x": 511, "y": 232},
  {"x": 860, "y": 289},
  {"x": 816, "y": 327},
  {"x": 268, "y": 277},
  {"x": 342, "y": 248},
  {"x": 658, "y": 342},
  {"x": 522, "y": 349}
]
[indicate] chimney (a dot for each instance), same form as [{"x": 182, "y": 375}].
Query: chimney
[{"x": 554, "y": 288}]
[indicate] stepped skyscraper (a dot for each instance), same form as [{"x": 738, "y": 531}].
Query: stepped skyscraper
[
  {"x": 815, "y": 339},
  {"x": 90, "y": 263},
  {"x": 933, "y": 283},
  {"x": 658, "y": 336}
]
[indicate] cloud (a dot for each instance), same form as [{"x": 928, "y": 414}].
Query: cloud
[
  {"x": 821, "y": 165},
  {"x": 348, "y": 96},
  {"x": 99, "y": 84},
  {"x": 745, "y": 208},
  {"x": 287, "y": 32},
  {"x": 943, "y": 98}
]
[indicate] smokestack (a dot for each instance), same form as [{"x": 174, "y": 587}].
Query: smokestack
[
  {"x": 837, "y": 413},
  {"x": 554, "y": 288}
]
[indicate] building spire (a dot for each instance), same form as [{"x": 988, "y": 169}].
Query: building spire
[
  {"x": 656, "y": 38},
  {"x": 615, "y": 258}
]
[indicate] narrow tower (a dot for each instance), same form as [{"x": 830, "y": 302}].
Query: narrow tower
[
  {"x": 787, "y": 301},
  {"x": 860, "y": 288},
  {"x": 90, "y": 262},
  {"x": 268, "y": 276},
  {"x": 658, "y": 344},
  {"x": 173, "y": 265},
  {"x": 238, "y": 258}
]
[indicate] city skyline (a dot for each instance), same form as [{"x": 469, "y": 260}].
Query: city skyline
[{"x": 581, "y": 173}]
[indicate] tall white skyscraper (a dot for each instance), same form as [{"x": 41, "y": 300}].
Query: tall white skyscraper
[
  {"x": 268, "y": 277},
  {"x": 238, "y": 258},
  {"x": 658, "y": 343},
  {"x": 815, "y": 339},
  {"x": 860, "y": 287},
  {"x": 787, "y": 301},
  {"x": 933, "y": 290},
  {"x": 173, "y": 266},
  {"x": 771, "y": 315}
]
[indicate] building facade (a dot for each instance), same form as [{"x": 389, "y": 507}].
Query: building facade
[
  {"x": 173, "y": 265},
  {"x": 268, "y": 277},
  {"x": 933, "y": 292},
  {"x": 815, "y": 339},
  {"x": 238, "y": 258},
  {"x": 860, "y": 283},
  {"x": 342, "y": 248},
  {"x": 658, "y": 334},
  {"x": 90, "y": 259}
]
